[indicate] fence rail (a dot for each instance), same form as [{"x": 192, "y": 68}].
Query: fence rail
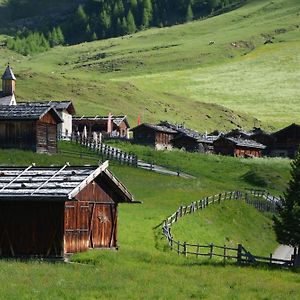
[
  {"x": 256, "y": 198},
  {"x": 107, "y": 151}
]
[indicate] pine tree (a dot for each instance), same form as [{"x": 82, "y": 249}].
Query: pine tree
[
  {"x": 131, "y": 28},
  {"x": 94, "y": 36},
  {"x": 189, "y": 13},
  {"x": 60, "y": 36},
  {"x": 147, "y": 13},
  {"x": 287, "y": 223}
]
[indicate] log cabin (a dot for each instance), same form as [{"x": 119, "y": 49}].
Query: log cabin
[
  {"x": 52, "y": 212},
  {"x": 200, "y": 143},
  {"x": 29, "y": 127},
  {"x": 155, "y": 136},
  {"x": 66, "y": 112},
  {"x": 99, "y": 124},
  {"x": 286, "y": 141},
  {"x": 238, "y": 147}
]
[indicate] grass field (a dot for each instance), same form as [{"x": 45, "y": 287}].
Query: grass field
[
  {"x": 173, "y": 73},
  {"x": 143, "y": 267}
]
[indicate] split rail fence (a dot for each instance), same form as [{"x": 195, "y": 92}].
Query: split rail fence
[{"x": 240, "y": 254}]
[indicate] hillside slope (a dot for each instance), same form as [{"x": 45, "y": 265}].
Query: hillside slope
[{"x": 169, "y": 73}]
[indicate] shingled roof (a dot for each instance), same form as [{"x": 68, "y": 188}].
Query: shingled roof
[
  {"x": 156, "y": 128},
  {"x": 27, "y": 112},
  {"x": 58, "y": 105},
  {"x": 8, "y": 74},
  {"x": 245, "y": 143},
  {"x": 54, "y": 183},
  {"x": 117, "y": 120}
]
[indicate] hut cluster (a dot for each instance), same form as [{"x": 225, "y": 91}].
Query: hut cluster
[{"x": 241, "y": 143}]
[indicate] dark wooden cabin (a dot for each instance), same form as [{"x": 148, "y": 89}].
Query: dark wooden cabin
[
  {"x": 52, "y": 212},
  {"x": 286, "y": 141},
  {"x": 156, "y": 136},
  {"x": 29, "y": 127},
  {"x": 66, "y": 112},
  {"x": 120, "y": 126},
  {"x": 238, "y": 147},
  {"x": 201, "y": 144}
]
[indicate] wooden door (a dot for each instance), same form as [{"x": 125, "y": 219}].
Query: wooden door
[{"x": 103, "y": 226}]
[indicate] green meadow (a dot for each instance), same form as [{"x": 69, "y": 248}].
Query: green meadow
[
  {"x": 175, "y": 74},
  {"x": 143, "y": 267}
]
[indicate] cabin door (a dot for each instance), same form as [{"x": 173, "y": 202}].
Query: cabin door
[
  {"x": 76, "y": 226},
  {"x": 103, "y": 225}
]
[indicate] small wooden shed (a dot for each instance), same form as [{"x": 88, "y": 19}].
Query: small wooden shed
[
  {"x": 55, "y": 211},
  {"x": 99, "y": 124},
  {"x": 238, "y": 147},
  {"x": 29, "y": 127},
  {"x": 286, "y": 141},
  {"x": 65, "y": 110},
  {"x": 156, "y": 136}
]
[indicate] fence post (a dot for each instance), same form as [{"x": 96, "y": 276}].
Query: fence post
[
  {"x": 211, "y": 250},
  {"x": 178, "y": 248},
  {"x": 224, "y": 254},
  {"x": 239, "y": 253},
  {"x": 271, "y": 256},
  {"x": 220, "y": 196},
  {"x": 198, "y": 250},
  {"x": 185, "y": 249}
]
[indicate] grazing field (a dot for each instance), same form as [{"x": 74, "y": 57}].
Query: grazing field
[
  {"x": 143, "y": 267},
  {"x": 174, "y": 73}
]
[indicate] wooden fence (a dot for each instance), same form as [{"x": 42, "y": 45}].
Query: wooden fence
[
  {"x": 239, "y": 254},
  {"x": 107, "y": 151}
]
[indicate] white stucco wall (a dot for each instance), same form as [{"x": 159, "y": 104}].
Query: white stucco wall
[{"x": 65, "y": 128}]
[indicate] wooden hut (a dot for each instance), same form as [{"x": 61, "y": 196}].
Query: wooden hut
[
  {"x": 156, "y": 136},
  {"x": 238, "y": 147},
  {"x": 29, "y": 127},
  {"x": 55, "y": 211},
  {"x": 66, "y": 112},
  {"x": 199, "y": 143},
  {"x": 99, "y": 124},
  {"x": 286, "y": 141}
]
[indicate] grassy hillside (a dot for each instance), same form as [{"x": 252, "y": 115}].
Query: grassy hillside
[
  {"x": 143, "y": 267},
  {"x": 173, "y": 73}
]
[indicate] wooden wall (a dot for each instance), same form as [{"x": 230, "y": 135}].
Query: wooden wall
[
  {"x": 46, "y": 135},
  {"x": 31, "y": 229},
  {"x": 18, "y": 134},
  {"x": 92, "y": 221}
]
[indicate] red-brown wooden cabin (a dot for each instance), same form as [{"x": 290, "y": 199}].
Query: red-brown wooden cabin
[
  {"x": 29, "y": 127},
  {"x": 52, "y": 212},
  {"x": 238, "y": 147}
]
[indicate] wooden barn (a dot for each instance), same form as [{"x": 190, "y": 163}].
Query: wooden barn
[
  {"x": 51, "y": 212},
  {"x": 286, "y": 141},
  {"x": 202, "y": 144},
  {"x": 29, "y": 127},
  {"x": 156, "y": 136},
  {"x": 238, "y": 147},
  {"x": 119, "y": 125},
  {"x": 66, "y": 112}
]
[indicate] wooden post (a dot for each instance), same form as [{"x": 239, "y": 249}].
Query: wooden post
[
  {"x": 239, "y": 253},
  {"x": 185, "y": 249},
  {"x": 271, "y": 256},
  {"x": 198, "y": 250},
  {"x": 220, "y": 196},
  {"x": 224, "y": 254},
  {"x": 171, "y": 243},
  {"x": 211, "y": 250},
  {"x": 178, "y": 248}
]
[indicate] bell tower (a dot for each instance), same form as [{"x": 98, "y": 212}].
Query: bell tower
[{"x": 8, "y": 82}]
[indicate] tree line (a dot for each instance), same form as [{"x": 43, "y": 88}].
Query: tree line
[{"x": 100, "y": 19}]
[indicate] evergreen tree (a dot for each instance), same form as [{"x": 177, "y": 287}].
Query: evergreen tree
[
  {"x": 94, "y": 36},
  {"x": 287, "y": 223},
  {"x": 131, "y": 28},
  {"x": 60, "y": 36},
  {"x": 147, "y": 13},
  {"x": 189, "y": 13},
  {"x": 124, "y": 28}
]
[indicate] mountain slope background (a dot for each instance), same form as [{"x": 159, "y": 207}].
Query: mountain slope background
[{"x": 235, "y": 69}]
